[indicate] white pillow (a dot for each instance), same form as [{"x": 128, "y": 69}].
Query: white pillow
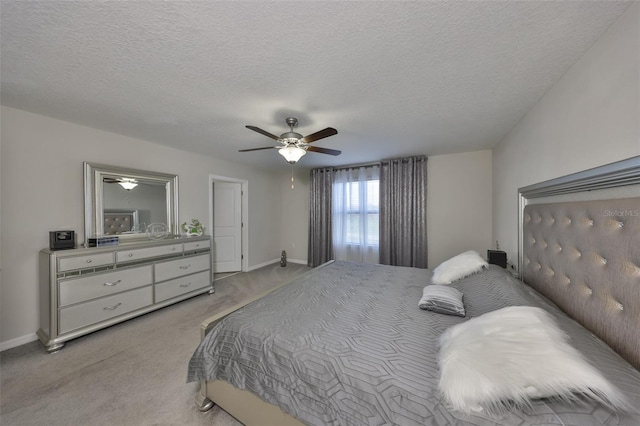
[
  {"x": 458, "y": 267},
  {"x": 442, "y": 299},
  {"x": 507, "y": 357}
]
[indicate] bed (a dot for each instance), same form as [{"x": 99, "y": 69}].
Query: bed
[{"x": 354, "y": 349}]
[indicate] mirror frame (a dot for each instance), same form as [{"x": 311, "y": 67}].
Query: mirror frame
[{"x": 93, "y": 197}]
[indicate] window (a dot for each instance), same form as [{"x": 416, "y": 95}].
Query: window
[
  {"x": 365, "y": 221},
  {"x": 356, "y": 214}
]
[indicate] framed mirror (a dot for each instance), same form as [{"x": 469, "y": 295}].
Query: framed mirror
[{"x": 123, "y": 202}]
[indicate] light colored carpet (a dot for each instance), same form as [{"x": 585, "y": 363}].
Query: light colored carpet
[{"x": 129, "y": 374}]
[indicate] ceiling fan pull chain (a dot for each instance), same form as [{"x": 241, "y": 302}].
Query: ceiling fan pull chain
[{"x": 292, "y": 176}]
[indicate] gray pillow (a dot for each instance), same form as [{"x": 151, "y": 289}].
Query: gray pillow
[{"x": 442, "y": 299}]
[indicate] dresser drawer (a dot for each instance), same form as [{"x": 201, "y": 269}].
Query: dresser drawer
[
  {"x": 183, "y": 266},
  {"x": 145, "y": 253},
  {"x": 94, "y": 311},
  {"x": 98, "y": 285},
  {"x": 182, "y": 285},
  {"x": 87, "y": 261},
  {"x": 197, "y": 245}
]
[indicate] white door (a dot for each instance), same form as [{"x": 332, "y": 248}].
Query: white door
[{"x": 227, "y": 227}]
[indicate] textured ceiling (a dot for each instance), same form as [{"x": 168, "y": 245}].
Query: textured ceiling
[{"x": 395, "y": 78}]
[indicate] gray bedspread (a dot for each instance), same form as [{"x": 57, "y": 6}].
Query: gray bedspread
[{"x": 346, "y": 344}]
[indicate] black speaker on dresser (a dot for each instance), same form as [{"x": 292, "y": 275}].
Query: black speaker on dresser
[
  {"x": 61, "y": 240},
  {"x": 497, "y": 257}
]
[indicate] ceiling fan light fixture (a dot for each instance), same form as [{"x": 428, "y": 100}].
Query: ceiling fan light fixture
[
  {"x": 128, "y": 184},
  {"x": 292, "y": 153}
]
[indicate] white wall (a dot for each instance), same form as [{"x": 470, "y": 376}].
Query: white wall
[
  {"x": 459, "y": 204},
  {"x": 589, "y": 118},
  {"x": 42, "y": 190},
  {"x": 294, "y": 220}
]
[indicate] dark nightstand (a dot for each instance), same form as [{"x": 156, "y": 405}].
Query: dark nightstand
[{"x": 497, "y": 257}]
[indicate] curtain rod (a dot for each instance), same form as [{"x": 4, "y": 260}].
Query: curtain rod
[{"x": 374, "y": 163}]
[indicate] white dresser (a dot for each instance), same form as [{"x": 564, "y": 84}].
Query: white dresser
[{"x": 83, "y": 290}]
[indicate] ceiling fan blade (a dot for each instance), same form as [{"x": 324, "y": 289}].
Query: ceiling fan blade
[
  {"x": 258, "y": 149},
  {"x": 324, "y": 150},
  {"x": 263, "y": 132},
  {"x": 325, "y": 133}
]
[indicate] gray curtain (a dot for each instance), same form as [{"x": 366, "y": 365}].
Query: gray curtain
[
  {"x": 320, "y": 245},
  {"x": 403, "y": 212}
]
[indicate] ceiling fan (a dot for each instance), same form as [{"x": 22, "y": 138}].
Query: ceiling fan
[{"x": 293, "y": 145}]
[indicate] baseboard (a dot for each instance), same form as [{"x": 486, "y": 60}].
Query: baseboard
[
  {"x": 271, "y": 262},
  {"x": 262, "y": 265},
  {"x": 18, "y": 341}
]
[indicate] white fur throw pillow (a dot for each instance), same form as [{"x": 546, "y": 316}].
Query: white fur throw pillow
[
  {"x": 458, "y": 267},
  {"x": 507, "y": 357}
]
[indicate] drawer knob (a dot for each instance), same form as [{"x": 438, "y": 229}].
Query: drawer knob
[
  {"x": 185, "y": 285},
  {"x": 112, "y": 308},
  {"x": 89, "y": 260},
  {"x": 130, "y": 254},
  {"x": 173, "y": 249},
  {"x": 185, "y": 267},
  {"x": 112, "y": 284}
]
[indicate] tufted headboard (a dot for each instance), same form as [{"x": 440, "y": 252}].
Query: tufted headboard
[
  {"x": 585, "y": 257},
  {"x": 118, "y": 222}
]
